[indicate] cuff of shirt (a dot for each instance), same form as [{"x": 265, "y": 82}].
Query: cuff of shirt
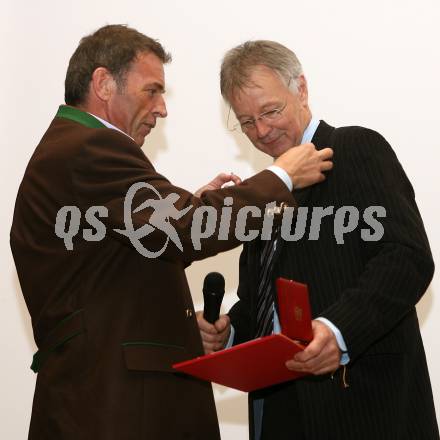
[
  {"x": 282, "y": 174},
  {"x": 345, "y": 358},
  {"x": 231, "y": 338}
]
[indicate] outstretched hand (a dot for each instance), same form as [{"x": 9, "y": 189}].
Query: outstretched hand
[
  {"x": 305, "y": 164},
  {"x": 218, "y": 182}
]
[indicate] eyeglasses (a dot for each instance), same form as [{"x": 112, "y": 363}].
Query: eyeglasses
[{"x": 249, "y": 125}]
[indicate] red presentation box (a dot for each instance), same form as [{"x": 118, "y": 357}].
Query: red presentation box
[{"x": 261, "y": 362}]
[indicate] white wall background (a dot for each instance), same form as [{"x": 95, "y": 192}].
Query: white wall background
[{"x": 374, "y": 64}]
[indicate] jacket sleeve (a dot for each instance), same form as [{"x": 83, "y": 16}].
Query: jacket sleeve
[
  {"x": 397, "y": 268},
  {"x": 109, "y": 164}
]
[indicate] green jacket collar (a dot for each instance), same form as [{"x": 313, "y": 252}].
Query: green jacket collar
[{"x": 79, "y": 116}]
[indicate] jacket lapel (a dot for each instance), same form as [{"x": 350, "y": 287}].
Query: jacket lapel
[
  {"x": 83, "y": 118},
  {"x": 322, "y": 138}
]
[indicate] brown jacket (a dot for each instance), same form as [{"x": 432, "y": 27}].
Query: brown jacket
[{"x": 109, "y": 322}]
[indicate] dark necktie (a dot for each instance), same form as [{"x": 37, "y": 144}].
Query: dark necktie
[{"x": 265, "y": 294}]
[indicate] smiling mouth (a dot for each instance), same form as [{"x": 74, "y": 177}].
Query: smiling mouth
[{"x": 270, "y": 141}]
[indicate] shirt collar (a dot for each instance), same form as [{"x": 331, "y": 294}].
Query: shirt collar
[
  {"x": 108, "y": 125},
  {"x": 309, "y": 132}
]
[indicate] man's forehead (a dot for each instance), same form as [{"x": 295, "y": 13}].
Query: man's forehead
[
  {"x": 257, "y": 80},
  {"x": 256, "y": 98},
  {"x": 148, "y": 66}
]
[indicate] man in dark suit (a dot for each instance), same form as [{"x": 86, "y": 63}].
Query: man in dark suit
[
  {"x": 364, "y": 255},
  {"x": 108, "y": 321}
]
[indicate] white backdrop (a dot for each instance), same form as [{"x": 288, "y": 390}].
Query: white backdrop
[{"x": 374, "y": 64}]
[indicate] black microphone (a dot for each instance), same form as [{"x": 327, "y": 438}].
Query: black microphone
[{"x": 213, "y": 291}]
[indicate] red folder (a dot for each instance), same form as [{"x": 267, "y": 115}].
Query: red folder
[
  {"x": 294, "y": 310},
  {"x": 261, "y": 362}
]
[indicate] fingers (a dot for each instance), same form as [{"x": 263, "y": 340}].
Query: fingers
[
  {"x": 326, "y": 165},
  {"x": 214, "y": 336},
  {"x": 326, "y": 361},
  {"x": 204, "y": 325},
  {"x": 305, "y": 164},
  {"x": 313, "y": 170},
  {"x": 218, "y": 182},
  {"x": 222, "y": 323},
  {"x": 325, "y": 153},
  {"x": 224, "y": 178},
  {"x": 235, "y": 179},
  {"x": 321, "y": 356},
  {"x": 209, "y": 337},
  {"x": 211, "y": 342}
]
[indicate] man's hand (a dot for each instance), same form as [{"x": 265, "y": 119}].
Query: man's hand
[
  {"x": 218, "y": 182},
  {"x": 305, "y": 164},
  {"x": 214, "y": 336},
  {"x": 321, "y": 356}
]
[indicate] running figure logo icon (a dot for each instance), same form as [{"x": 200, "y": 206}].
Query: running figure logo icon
[{"x": 164, "y": 209}]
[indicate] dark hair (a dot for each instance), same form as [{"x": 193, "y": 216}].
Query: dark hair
[{"x": 114, "y": 47}]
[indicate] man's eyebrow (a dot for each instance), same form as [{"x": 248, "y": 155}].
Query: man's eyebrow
[
  {"x": 243, "y": 116},
  {"x": 273, "y": 103},
  {"x": 156, "y": 85}
]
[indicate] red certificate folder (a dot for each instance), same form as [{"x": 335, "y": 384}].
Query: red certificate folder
[
  {"x": 294, "y": 310},
  {"x": 261, "y": 362}
]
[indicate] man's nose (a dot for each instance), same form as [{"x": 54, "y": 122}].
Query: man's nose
[
  {"x": 160, "y": 110},
  {"x": 262, "y": 128}
]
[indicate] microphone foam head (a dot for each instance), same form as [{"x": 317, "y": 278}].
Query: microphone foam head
[{"x": 214, "y": 282}]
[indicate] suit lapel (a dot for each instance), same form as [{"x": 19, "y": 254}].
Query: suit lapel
[{"x": 322, "y": 138}]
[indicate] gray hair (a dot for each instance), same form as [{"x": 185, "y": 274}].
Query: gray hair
[{"x": 239, "y": 62}]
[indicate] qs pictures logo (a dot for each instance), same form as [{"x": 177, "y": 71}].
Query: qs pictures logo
[{"x": 207, "y": 221}]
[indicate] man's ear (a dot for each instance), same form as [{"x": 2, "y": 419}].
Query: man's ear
[
  {"x": 103, "y": 84},
  {"x": 303, "y": 91}
]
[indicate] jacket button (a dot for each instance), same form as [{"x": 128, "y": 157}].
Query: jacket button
[{"x": 189, "y": 313}]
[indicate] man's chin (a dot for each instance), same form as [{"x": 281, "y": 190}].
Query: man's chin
[
  {"x": 140, "y": 138},
  {"x": 275, "y": 150}
]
